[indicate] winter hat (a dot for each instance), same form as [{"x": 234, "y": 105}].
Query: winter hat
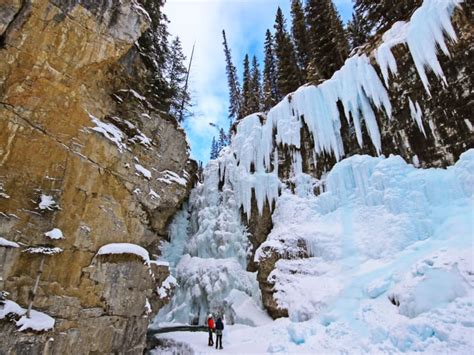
[{"x": 210, "y": 315}]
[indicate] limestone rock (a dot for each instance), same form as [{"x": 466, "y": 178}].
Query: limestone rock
[{"x": 71, "y": 78}]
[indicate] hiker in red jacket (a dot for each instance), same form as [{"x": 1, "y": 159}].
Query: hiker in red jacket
[{"x": 210, "y": 326}]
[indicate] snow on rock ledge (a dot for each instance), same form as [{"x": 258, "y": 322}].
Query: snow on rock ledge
[
  {"x": 55, "y": 233},
  {"x": 38, "y": 321},
  {"x": 47, "y": 203},
  {"x": 143, "y": 171},
  {"x": 125, "y": 248},
  {"x": 8, "y": 244}
]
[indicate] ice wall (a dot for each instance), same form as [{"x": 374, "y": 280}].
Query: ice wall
[
  {"x": 376, "y": 217},
  {"x": 208, "y": 256},
  {"x": 356, "y": 87}
]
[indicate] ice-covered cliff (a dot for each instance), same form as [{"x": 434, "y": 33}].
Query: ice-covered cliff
[{"x": 357, "y": 199}]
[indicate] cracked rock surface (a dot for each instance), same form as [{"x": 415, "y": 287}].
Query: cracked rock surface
[{"x": 64, "y": 64}]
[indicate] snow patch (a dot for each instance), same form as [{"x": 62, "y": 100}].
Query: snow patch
[
  {"x": 54, "y": 233},
  {"x": 125, "y": 248},
  {"x": 170, "y": 177},
  {"x": 47, "y": 203},
  {"x": 142, "y": 139},
  {"x": 153, "y": 195},
  {"x": 167, "y": 285},
  {"x": 8, "y": 244},
  {"x": 43, "y": 250},
  {"x": 109, "y": 131},
  {"x": 3, "y": 194},
  {"x": 143, "y": 171},
  {"x": 38, "y": 321}
]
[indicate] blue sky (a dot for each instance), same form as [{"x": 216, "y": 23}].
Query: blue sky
[{"x": 202, "y": 21}]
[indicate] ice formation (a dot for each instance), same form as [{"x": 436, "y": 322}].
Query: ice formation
[
  {"x": 379, "y": 261},
  {"x": 423, "y": 34},
  {"x": 208, "y": 255},
  {"x": 406, "y": 207},
  {"x": 417, "y": 115},
  {"x": 356, "y": 86}
]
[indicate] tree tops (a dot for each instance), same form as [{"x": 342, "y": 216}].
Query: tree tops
[{"x": 166, "y": 62}]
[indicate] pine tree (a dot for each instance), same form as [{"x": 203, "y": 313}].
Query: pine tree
[
  {"x": 288, "y": 74},
  {"x": 255, "y": 104},
  {"x": 233, "y": 82},
  {"x": 299, "y": 32},
  {"x": 223, "y": 141},
  {"x": 358, "y": 29},
  {"x": 270, "y": 89},
  {"x": 154, "y": 49},
  {"x": 214, "y": 149},
  {"x": 380, "y": 15},
  {"x": 329, "y": 46},
  {"x": 245, "y": 108},
  {"x": 177, "y": 76}
]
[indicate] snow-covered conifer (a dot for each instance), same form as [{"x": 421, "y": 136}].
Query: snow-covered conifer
[
  {"x": 214, "y": 149},
  {"x": 256, "y": 87},
  {"x": 180, "y": 97},
  {"x": 245, "y": 108}
]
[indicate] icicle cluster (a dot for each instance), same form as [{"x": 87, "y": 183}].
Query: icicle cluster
[
  {"x": 208, "y": 253},
  {"x": 252, "y": 162},
  {"x": 423, "y": 34}
]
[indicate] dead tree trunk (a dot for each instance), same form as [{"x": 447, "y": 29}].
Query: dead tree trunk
[{"x": 32, "y": 294}]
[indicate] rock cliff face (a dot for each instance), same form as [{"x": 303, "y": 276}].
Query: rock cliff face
[
  {"x": 76, "y": 126},
  {"x": 447, "y": 120}
]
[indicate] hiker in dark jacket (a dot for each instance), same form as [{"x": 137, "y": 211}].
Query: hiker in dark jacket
[{"x": 219, "y": 329}]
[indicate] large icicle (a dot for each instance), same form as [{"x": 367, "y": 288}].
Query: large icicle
[
  {"x": 423, "y": 34},
  {"x": 417, "y": 115}
]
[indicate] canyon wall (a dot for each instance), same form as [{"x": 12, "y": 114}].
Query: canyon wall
[{"x": 79, "y": 129}]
